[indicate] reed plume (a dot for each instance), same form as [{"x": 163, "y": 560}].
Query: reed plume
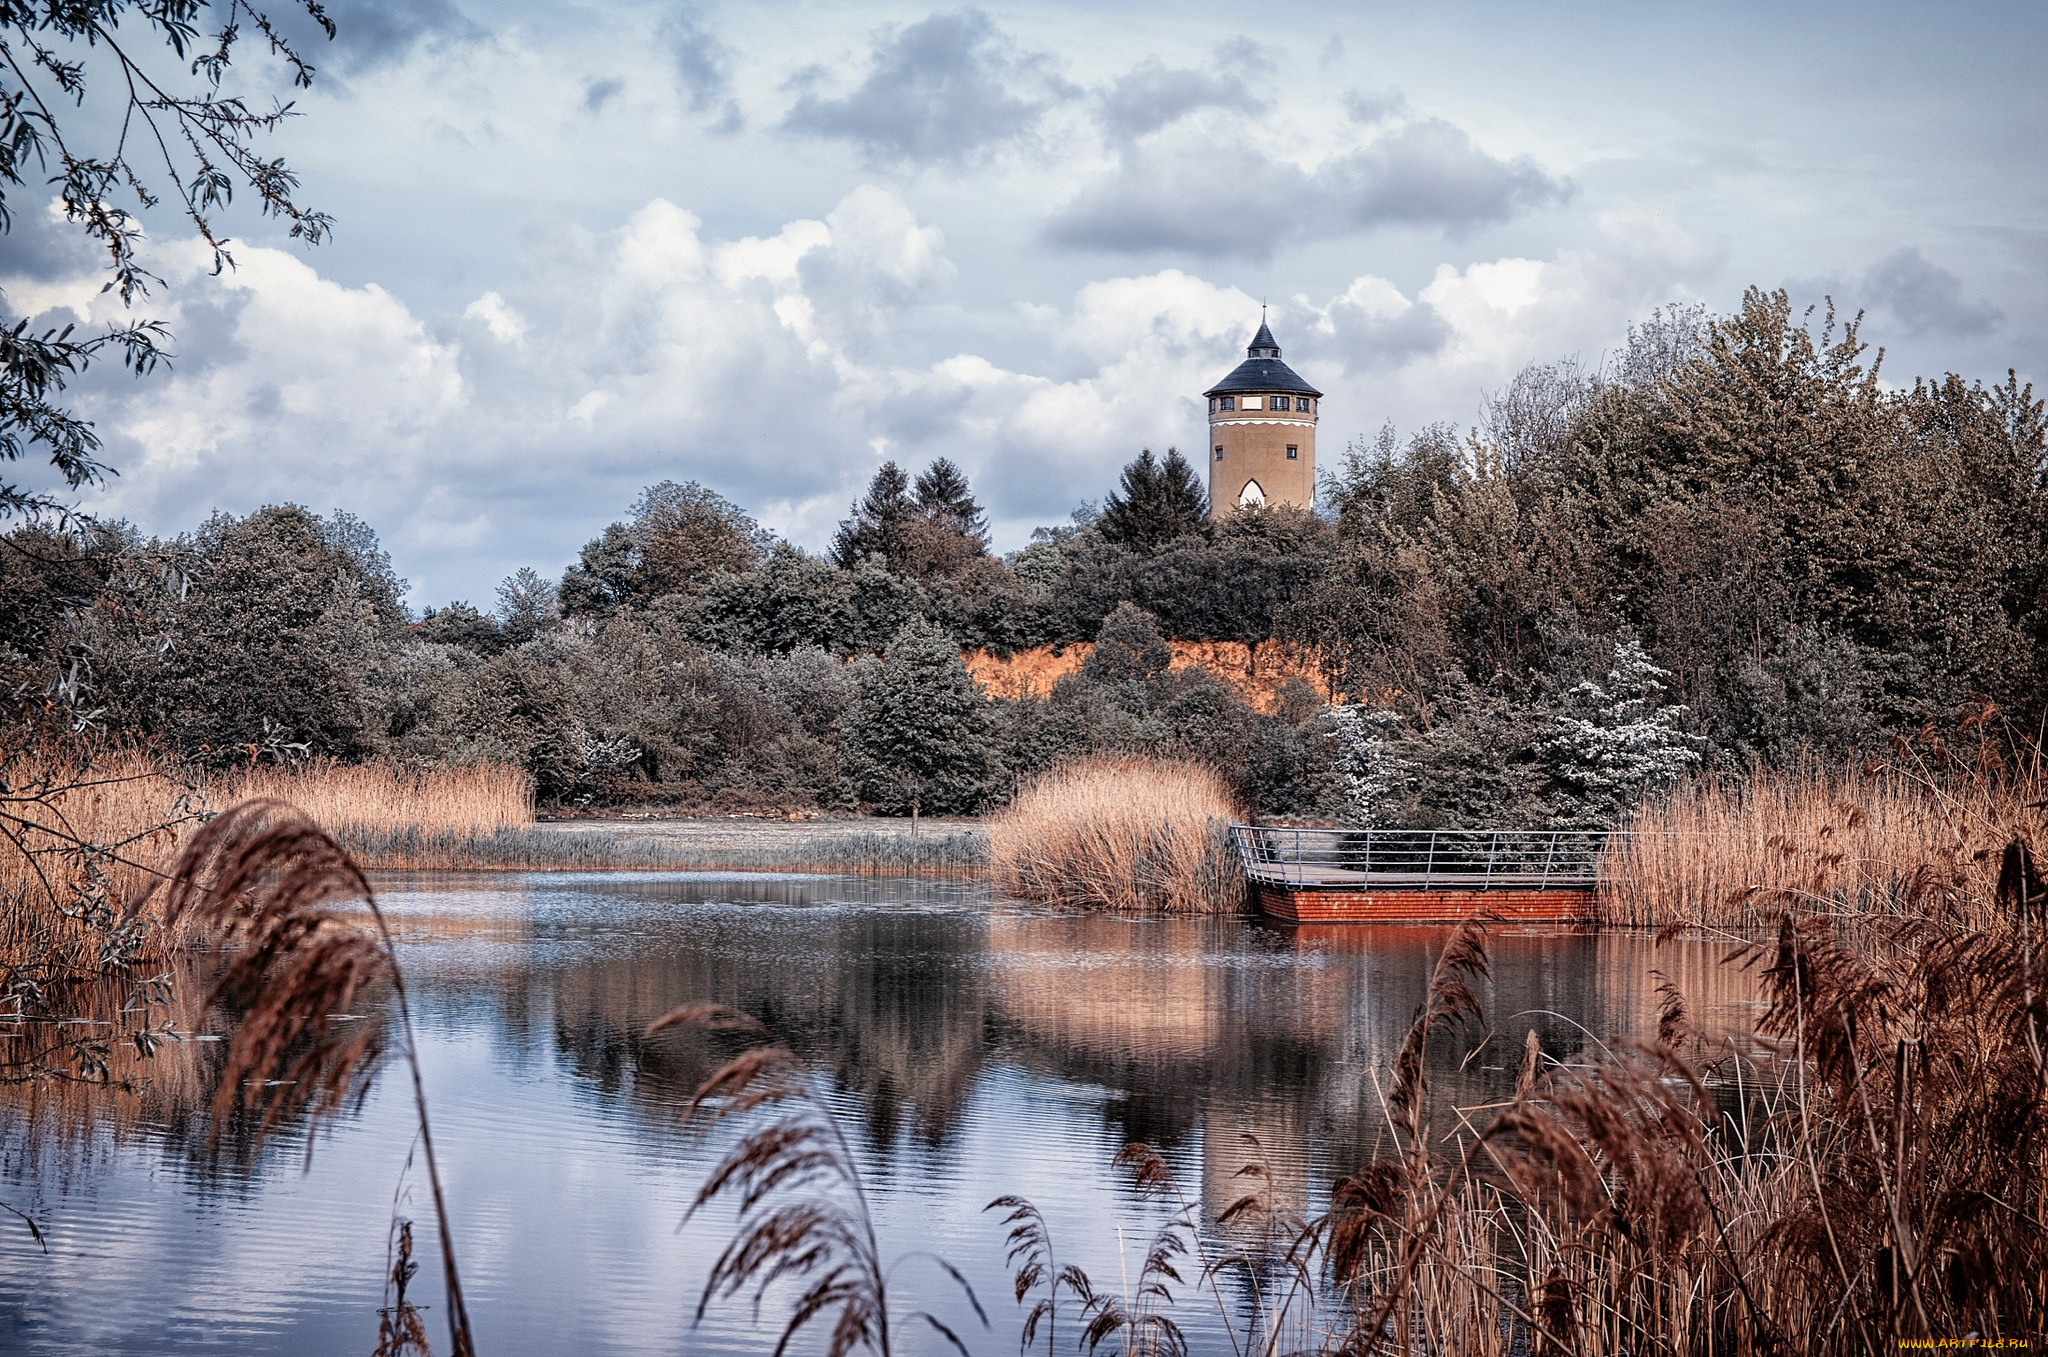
[
  {"x": 1028, "y": 1253},
  {"x": 401, "y": 1330},
  {"x": 273, "y": 888},
  {"x": 803, "y": 1213}
]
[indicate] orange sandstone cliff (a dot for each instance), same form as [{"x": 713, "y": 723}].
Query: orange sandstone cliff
[{"x": 1257, "y": 675}]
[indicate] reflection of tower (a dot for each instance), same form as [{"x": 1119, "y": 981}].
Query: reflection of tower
[{"x": 1262, "y": 433}]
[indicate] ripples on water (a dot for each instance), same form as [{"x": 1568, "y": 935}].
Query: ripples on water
[{"x": 972, "y": 1049}]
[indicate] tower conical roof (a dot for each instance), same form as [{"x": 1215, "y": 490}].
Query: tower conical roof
[{"x": 1262, "y": 370}]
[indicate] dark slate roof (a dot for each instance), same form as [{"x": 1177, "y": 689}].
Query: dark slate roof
[{"x": 1262, "y": 370}]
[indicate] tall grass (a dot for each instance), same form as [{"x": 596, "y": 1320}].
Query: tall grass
[
  {"x": 303, "y": 938},
  {"x": 1143, "y": 835},
  {"x": 1738, "y": 853},
  {"x": 953, "y": 854},
  {"x": 368, "y": 807},
  {"x": 83, "y": 833}
]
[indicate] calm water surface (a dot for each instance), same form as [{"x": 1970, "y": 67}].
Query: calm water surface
[{"x": 972, "y": 1047}]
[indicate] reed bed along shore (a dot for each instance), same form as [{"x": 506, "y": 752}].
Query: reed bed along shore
[
  {"x": 1143, "y": 835},
  {"x": 1863, "y": 1172},
  {"x": 138, "y": 811},
  {"x": 1738, "y": 853},
  {"x": 366, "y": 800},
  {"x": 947, "y": 853},
  {"x": 86, "y": 833}
]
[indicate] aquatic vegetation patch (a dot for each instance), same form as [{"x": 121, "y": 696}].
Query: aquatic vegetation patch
[{"x": 1142, "y": 835}]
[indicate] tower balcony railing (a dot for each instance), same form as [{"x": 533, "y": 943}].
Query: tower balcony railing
[{"x": 1421, "y": 859}]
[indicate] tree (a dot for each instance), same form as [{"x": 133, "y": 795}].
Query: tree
[
  {"x": 1369, "y": 772},
  {"x": 1128, "y": 649},
  {"x": 931, "y": 533},
  {"x": 205, "y": 146},
  {"x": 920, "y": 736},
  {"x": 1159, "y": 501},
  {"x": 278, "y": 637},
  {"x": 461, "y": 625},
  {"x": 875, "y": 529},
  {"x": 685, "y": 534},
  {"x": 946, "y": 500},
  {"x": 49, "y": 573},
  {"x": 678, "y": 540},
  {"x": 526, "y": 605},
  {"x": 1615, "y": 741}
]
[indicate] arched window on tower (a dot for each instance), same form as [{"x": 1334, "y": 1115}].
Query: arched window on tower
[{"x": 1252, "y": 496}]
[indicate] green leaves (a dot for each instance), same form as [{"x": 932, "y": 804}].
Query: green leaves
[
  {"x": 204, "y": 146},
  {"x": 920, "y": 737}
]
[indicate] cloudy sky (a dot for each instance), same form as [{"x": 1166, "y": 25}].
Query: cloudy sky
[{"x": 584, "y": 247}]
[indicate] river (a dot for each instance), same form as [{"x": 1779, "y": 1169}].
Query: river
[{"x": 970, "y": 1047}]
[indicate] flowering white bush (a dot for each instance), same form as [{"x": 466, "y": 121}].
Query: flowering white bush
[
  {"x": 1368, "y": 772},
  {"x": 1615, "y": 742}
]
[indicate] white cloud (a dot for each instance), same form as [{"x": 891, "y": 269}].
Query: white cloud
[
  {"x": 499, "y": 318},
  {"x": 764, "y": 367}
]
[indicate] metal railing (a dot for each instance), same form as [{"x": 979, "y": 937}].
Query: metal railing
[{"x": 1421, "y": 859}]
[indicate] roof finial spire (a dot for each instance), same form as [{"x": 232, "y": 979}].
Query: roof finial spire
[{"x": 1263, "y": 344}]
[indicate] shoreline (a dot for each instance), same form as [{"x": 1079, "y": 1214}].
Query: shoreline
[{"x": 868, "y": 846}]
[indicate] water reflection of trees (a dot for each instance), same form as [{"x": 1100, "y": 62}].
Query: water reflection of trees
[
  {"x": 1196, "y": 1029},
  {"x": 54, "y": 1129}
]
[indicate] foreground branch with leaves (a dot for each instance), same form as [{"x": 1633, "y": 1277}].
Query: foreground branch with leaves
[{"x": 177, "y": 127}]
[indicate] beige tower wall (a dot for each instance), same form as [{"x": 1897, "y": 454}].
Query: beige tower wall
[{"x": 1255, "y": 447}]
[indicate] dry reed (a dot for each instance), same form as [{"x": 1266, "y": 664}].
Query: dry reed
[
  {"x": 84, "y": 832},
  {"x": 1872, "y": 1176},
  {"x": 1142, "y": 835},
  {"x": 803, "y": 1214},
  {"x": 386, "y": 815},
  {"x": 1737, "y": 854},
  {"x": 304, "y": 939}
]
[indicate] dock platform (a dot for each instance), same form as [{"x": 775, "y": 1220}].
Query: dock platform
[{"x": 1305, "y": 875}]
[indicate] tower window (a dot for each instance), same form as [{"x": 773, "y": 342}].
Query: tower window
[
  {"x": 1293, "y": 453},
  {"x": 1212, "y": 405},
  {"x": 1228, "y": 403},
  {"x": 1219, "y": 454},
  {"x": 1301, "y": 404}
]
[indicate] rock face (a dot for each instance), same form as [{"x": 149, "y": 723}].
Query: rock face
[{"x": 1258, "y": 674}]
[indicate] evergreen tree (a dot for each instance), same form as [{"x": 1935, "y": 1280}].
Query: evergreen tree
[
  {"x": 945, "y": 499},
  {"x": 1159, "y": 502},
  {"x": 926, "y": 535},
  {"x": 875, "y": 529},
  {"x": 526, "y": 604},
  {"x": 920, "y": 737}
]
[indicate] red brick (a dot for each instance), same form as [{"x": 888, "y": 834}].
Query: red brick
[{"x": 1414, "y": 906}]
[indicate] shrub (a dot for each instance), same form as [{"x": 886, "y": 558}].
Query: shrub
[{"x": 1123, "y": 833}]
